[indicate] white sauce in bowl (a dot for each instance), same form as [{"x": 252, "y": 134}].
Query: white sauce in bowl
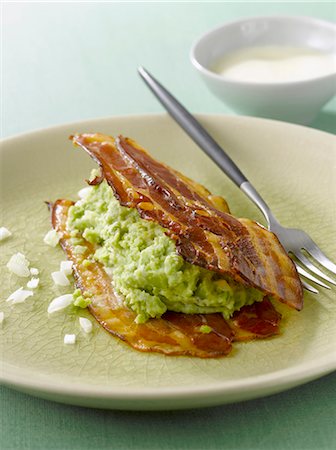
[{"x": 269, "y": 64}]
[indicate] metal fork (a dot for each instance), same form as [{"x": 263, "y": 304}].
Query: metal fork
[{"x": 293, "y": 240}]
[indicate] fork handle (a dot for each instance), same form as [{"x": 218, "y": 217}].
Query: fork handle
[
  {"x": 194, "y": 129},
  {"x": 199, "y": 135}
]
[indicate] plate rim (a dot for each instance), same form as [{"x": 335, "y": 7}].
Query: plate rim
[
  {"x": 282, "y": 379},
  {"x": 161, "y": 115}
]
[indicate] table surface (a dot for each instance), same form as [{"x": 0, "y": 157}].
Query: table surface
[{"x": 71, "y": 61}]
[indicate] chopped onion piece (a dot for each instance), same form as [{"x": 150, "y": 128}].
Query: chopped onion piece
[
  {"x": 86, "y": 324},
  {"x": 33, "y": 283},
  {"x": 60, "y": 279},
  {"x": 51, "y": 238},
  {"x": 66, "y": 267},
  {"x": 69, "y": 339},
  {"x": 4, "y": 233},
  {"x": 83, "y": 193},
  {"x": 34, "y": 271},
  {"x": 2, "y": 317},
  {"x": 60, "y": 303},
  {"x": 19, "y": 296},
  {"x": 19, "y": 265}
]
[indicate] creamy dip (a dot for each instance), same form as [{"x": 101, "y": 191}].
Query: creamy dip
[{"x": 275, "y": 64}]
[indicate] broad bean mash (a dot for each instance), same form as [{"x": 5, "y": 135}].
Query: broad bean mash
[{"x": 146, "y": 269}]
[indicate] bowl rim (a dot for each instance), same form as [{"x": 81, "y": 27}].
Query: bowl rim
[{"x": 230, "y": 81}]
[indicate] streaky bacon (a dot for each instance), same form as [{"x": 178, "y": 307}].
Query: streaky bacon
[
  {"x": 174, "y": 333},
  {"x": 258, "y": 320},
  {"x": 204, "y": 231}
]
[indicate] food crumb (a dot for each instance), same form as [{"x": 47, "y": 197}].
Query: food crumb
[
  {"x": 33, "y": 283},
  {"x": 66, "y": 267},
  {"x": 19, "y": 265},
  {"x": 34, "y": 271},
  {"x": 60, "y": 278},
  {"x": 60, "y": 303},
  {"x": 80, "y": 300},
  {"x": 205, "y": 329},
  {"x": 51, "y": 238},
  {"x": 4, "y": 233},
  {"x": 85, "y": 324},
  {"x": 19, "y": 296},
  {"x": 69, "y": 339}
]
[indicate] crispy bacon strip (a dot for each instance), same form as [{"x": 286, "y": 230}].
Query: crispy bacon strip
[
  {"x": 205, "y": 233},
  {"x": 174, "y": 333},
  {"x": 255, "y": 321}
]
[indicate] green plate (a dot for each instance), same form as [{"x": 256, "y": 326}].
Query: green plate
[{"x": 292, "y": 167}]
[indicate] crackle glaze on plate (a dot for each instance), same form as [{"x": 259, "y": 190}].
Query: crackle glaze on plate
[{"x": 293, "y": 168}]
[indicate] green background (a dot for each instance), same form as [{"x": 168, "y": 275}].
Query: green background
[{"x": 70, "y": 61}]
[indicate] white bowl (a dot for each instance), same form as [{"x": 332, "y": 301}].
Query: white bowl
[{"x": 296, "y": 101}]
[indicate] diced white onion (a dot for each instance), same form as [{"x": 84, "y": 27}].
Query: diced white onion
[
  {"x": 2, "y": 317},
  {"x": 84, "y": 192},
  {"x": 66, "y": 267},
  {"x": 60, "y": 303},
  {"x": 4, "y": 233},
  {"x": 33, "y": 283},
  {"x": 34, "y": 271},
  {"x": 69, "y": 339},
  {"x": 19, "y": 265},
  {"x": 60, "y": 278},
  {"x": 86, "y": 324},
  {"x": 19, "y": 296},
  {"x": 51, "y": 238}
]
